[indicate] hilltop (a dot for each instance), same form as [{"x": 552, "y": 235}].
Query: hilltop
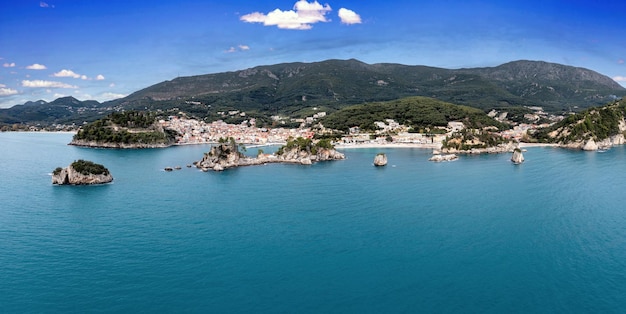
[{"x": 295, "y": 89}]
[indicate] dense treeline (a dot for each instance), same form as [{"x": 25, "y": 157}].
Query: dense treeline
[
  {"x": 305, "y": 144},
  {"x": 597, "y": 123},
  {"x": 115, "y": 129},
  {"x": 87, "y": 167},
  {"x": 417, "y": 112},
  {"x": 133, "y": 119},
  {"x": 469, "y": 139}
]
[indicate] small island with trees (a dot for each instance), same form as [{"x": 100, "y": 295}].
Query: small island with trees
[
  {"x": 81, "y": 172},
  {"x": 296, "y": 151},
  {"x": 129, "y": 129}
]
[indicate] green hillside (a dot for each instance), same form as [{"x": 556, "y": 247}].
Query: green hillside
[
  {"x": 596, "y": 123},
  {"x": 294, "y": 89},
  {"x": 131, "y": 127},
  {"x": 419, "y": 113}
]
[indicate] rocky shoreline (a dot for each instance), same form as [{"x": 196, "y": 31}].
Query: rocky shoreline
[
  {"x": 70, "y": 176},
  {"x": 226, "y": 155},
  {"x": 502, "y": 148},
  {"x": 94, "y": 144}
]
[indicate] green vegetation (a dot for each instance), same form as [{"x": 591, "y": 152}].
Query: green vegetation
[
  {"x": 419, "y": 113},
  {"x": 306, "y": 145},
  {"x": 468, "y": 139},
  {"x": 131, "y": 127},
  {"x": 87, "y": 167},
  {"x": 57, "y": 171},
  {"x": 594, "y": 123},
  {"x": 297, "y": 90},
  {"x": 227, "y": 146}
]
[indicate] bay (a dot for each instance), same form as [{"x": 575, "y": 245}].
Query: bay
[{"x": 475, "y": 235}]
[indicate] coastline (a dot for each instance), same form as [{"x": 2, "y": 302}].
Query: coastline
[
  {"x": 425, "y": 146},
  {"x": 388, "y": 145}
]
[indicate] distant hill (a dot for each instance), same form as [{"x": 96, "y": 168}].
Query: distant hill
[
  {"x": 287, "y": 88},
  {"x": 66, "y": 110},
  {"x": 294, "y": 89}
]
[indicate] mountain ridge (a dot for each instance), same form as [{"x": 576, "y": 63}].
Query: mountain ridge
[{"x": 292, "y": 89}]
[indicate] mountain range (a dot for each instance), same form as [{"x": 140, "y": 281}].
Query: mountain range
[{"x": 294, "y": 89}]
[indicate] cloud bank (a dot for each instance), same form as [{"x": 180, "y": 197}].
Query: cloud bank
[
  {"x": 46, "y": 84},
  {"x": 7, "y": 91}
]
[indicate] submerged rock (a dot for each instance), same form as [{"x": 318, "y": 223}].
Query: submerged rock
[{"x": 380, "y": 160}]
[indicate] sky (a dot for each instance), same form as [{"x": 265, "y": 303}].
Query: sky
[{"x": 102, "y": 50}]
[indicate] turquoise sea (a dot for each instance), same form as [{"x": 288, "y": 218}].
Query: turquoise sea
[{"x": 477, "y": 235}]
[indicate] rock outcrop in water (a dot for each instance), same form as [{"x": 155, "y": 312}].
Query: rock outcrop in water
[
  {"x": 445, "y": 157},
  {"x": 300, "y": 151},
  {"x": 517, "y": 157},
  {"x": 81, "y": 172},
  {"x": 380, "y": 160}
]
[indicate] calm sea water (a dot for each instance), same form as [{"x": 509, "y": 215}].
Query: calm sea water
[{"x": 475, "y": 235}]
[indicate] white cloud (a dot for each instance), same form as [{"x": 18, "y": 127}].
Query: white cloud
[
  {"x": 66, "y": 73},
  {"x": 45, "y": 5},
  {"x": 244, "y": 47},
  {"x": 7, "y": 91},
  {"x": 36, "y": 66},
  {"x": 84, "y": 77},
  {"x": 46, "y": 84},
  {"x": 100, "y": 77},
  {"x": 231, "y": 50},
  {"x": 349, "y": 17},
  {"x": 57, "y": 95},
  {"x": 111, "y": 96},
  {"x": 620, "y": 61},
  {"x": 303, "y": 15},
  {"x": 2, "y": 85},
  {"x": 9, "y": 65},
  {"x": 112, "y": 85},
  {"x": 619, "y": 78}
]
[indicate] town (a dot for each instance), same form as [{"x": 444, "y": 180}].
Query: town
[{"x": 193, "y": 131}]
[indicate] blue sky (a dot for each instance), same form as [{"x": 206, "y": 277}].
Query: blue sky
[{"x": 93, "y": 49}]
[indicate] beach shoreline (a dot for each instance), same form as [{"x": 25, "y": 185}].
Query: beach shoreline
[{"x": 424, "y": 146}]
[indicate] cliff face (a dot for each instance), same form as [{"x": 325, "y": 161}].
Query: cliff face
[
  {"x": 380, "y": 160},
  {"x": 69, "y": 176},
  {"x": 517, "y": 157},
  {"x": 220, "y": 157}
]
